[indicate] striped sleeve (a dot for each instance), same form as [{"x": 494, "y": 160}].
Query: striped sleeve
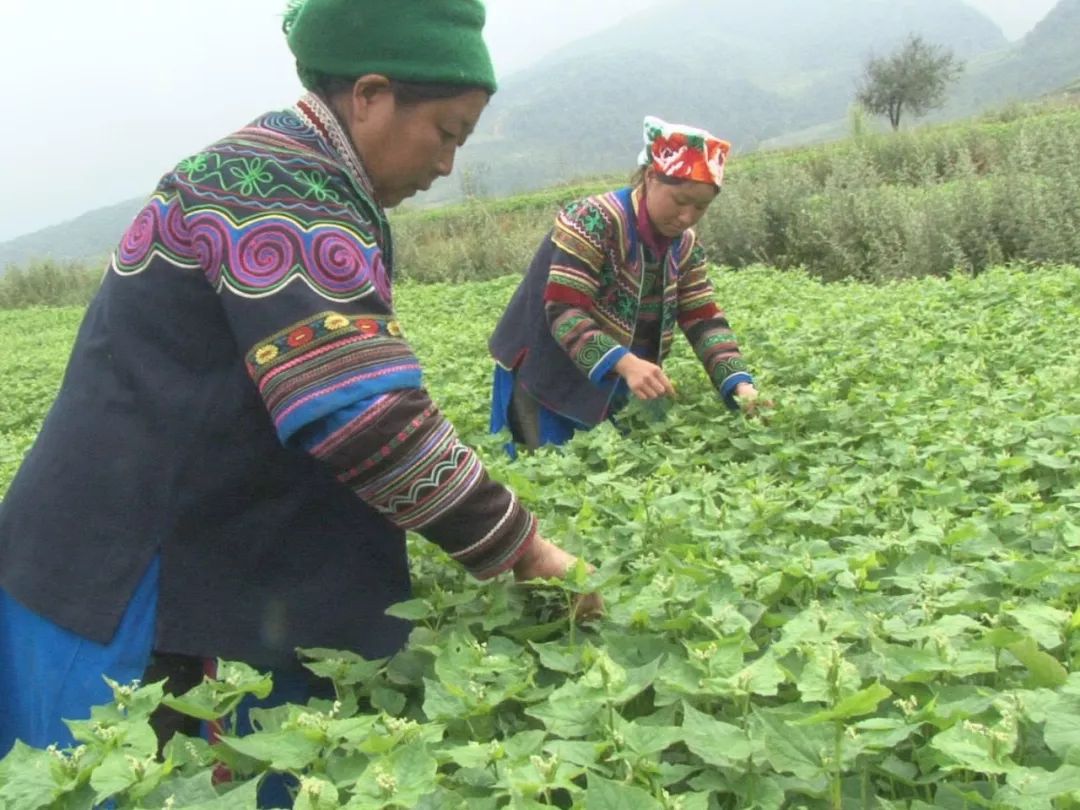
[
  {"x": 400, "y": 455},
  {"x": 705, "y": 325},
  {"x": 348, "y": 390},
  {"x": 580, "y": 238}
]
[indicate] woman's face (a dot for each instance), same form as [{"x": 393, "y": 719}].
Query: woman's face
[
  {"x": 406, "y": 147},
  {"x": 675, "y": 207}
]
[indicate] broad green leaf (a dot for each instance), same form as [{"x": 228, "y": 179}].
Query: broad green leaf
[
  {"x": 862, "y": 702},
  {"x": 974, "y": 747},
  {"x": 402, "y": 777},
  {"x": 281, "y": 750},
  {"x": 1044, "y": 668},
  {"x": 316, "y": 794},
  {"x": 604, "y": 794},
  {"x": 1061, "y": 731},
  {"x": 241, "y": 797},
  {"x": 790, "y": 748},
  {"x": 1043, "y": 622},
  {"x": 559, "y": 657},
  {"x": 716, "y": 742},
  {"x": 571, "y": 711},
  {"x": 342, "y": 667},
  {"x": 414, "y": 610},
  {"x": 28, "y": 779},
  {"x": 1036, "y": 783}
]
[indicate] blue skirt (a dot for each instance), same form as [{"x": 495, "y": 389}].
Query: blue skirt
[
  {"x": 554, "y": 428},
  {"x": 48, "y": 673}
]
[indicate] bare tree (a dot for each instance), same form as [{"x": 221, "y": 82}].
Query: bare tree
[{"x": 914, "y": 78}]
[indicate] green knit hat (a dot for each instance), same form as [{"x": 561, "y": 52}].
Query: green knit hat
[{"x": 436, "y": 41}]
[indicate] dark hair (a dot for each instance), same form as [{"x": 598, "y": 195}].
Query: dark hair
[
  {"x": 405, "y": 93},
  {"x": 638, "y": 177}
]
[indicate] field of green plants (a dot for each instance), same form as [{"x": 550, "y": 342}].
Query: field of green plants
[{"x": 868, "y": 599}]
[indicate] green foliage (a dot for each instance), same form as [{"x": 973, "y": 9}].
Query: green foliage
[
  {"x": 48, "y": 283},
  {"x": 473, "y": 242},
  {"x": 867, "y": 600},
  {"x": 960, "y": 198},
  {"x": 914, "y": 77}
]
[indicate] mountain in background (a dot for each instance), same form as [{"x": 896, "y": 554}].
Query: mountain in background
[
  {"x": 748, "y": 72},
  {"x": 1014, "y": 17},
  {"x": 91, "y": 235},
  {"x": 1044, "y": 62},
  {"x": 769, "y": 73}
]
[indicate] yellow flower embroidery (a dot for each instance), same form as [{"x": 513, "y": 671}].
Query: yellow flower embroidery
[
  {"x": 394, "y": 328},
  {"x": 335, "y": 321},
  {"x": 265, "y": 354}
]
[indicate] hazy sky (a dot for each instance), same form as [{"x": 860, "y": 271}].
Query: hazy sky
[{"x": 105, "y": 96}]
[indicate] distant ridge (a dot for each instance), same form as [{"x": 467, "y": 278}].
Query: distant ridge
[{"x": 87, "y": 236}]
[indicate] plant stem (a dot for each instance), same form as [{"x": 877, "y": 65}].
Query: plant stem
[{"x": 838, "y": 753}]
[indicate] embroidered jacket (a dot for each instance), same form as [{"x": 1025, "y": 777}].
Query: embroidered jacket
[
  {"x": 242, "y": 401},
  {"x": 579, "y": 309}
]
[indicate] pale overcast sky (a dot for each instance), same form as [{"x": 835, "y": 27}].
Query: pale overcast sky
[{"x": 105, "y": 96}]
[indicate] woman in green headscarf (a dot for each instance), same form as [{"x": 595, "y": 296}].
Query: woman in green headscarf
[{"x": 242, "y": 438}]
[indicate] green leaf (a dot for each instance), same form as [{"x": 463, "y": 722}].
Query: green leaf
[
  {"x": 213, "y": 699},
  {"x": 1036, "y": 783},
  {"x": 1061, "y": 731},
  {"x": 645, "y": 740},
  {"x": 862, "y": 702},
  {"x": 112, "y": 776},
  {"x": 973, "y": 747},
  {"x": 28, "y": 780},
  {"x": 316, "y": 794},
  {"x": 716, "y": 742},
  {"x": 281, "y": 750},
  {"x": 188, "y": 790},
  {"x": 1044, "y": 668},
  {"x": 342, "y": 667},
  {"x": 558, "y": 657},
  {"x": 402, "y": 777},
  {"x": 604, "y": 794},
  {"x": 241, "y": 797},
  {"x": 794, "y": 749},
  {"x": 390, "y": 701},
  {"x": 414, "y": 610},
  {"x": 1045, "y": 623},
  {"x": 570, "y": 711}
]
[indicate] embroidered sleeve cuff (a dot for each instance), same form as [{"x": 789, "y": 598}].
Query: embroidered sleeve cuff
[
  {"x": 327, "y": 363},
  {"x": 606, "y": 364},
  {"x": 512, "y": 529}
]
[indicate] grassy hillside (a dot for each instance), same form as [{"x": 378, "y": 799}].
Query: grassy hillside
[
  {"x": 94, "y": 234},
  {"x": 958, "y": 197},
  {"x": 954, "y": 198}
]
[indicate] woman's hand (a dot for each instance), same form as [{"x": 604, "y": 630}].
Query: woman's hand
[
  {"x": 646, "y": 380},
  {"x": 545, "y": 560},
  {"x": 747, "y": 395}
]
